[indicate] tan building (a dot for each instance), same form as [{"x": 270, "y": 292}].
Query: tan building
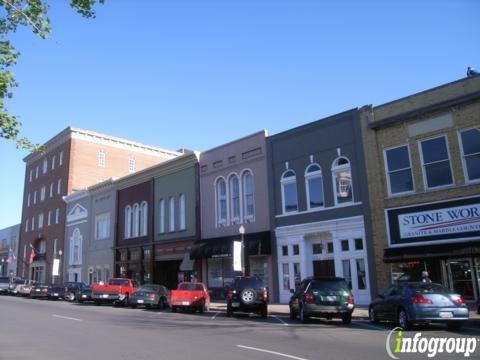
[
  {"x": 423, "y": 166},
  {"x": 72, "y": 160}
]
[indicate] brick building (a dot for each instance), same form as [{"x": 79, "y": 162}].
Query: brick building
[
  {"x": 423, "y": 165},
  {"x": 72, "y": 160}
]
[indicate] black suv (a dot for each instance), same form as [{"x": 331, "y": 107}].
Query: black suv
[
  {"x": 248, "y": 294},
  {"x": 72, "y": 288}
]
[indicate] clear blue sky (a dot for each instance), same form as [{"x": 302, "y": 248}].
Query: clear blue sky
[{"x": 200, "y": 73}]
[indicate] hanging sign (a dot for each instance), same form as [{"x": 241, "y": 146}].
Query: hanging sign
[{"x": 237, "y": 256}]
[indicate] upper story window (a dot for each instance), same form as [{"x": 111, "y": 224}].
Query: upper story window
[
  {"x": 234, "y": 187},
  {"x": 398, "y": 170},
  {"x": 49, "y": 218},
  {"x": 143, "y": 218},
  {"x": 57, "y": 216},
  {"x": 76, "y": 247},
  {"x": 171, "y": 208},
  {"x": 45, "y": 166},
  {"x": 221, "y": 190},
  {"x": 59, "y": 186},
  {"x": 248, "y": 200},
  {"x": 102, "y": 226},
  {"x": 436, "y": 162},
  {"x": 342, "y": 180},
  {"x": 101, "y": 159},
  {"x": 51, "y": 189},
  {"x": 470, "y": 144},
  {"x": 182, "y": 210},
  {"x": 314, "y": 186},
  {"x": 128, "y": 221},
  {"x": 289, "y": 191},
  {"x": 28, "y": 199},
  {"x": 136, "y": 220},
  {"x": 60, "y": 159},
  {"x": 131, "y": 165},
  {"x": 31, "y": 175},
  {"x": 161, "y": 214},
  {"x": 40, "y": 221},
  {"x": 53, "y": 161},
  {"x": 43, "y": 191},
  {"x": 33, "y": 223},
  {"x": 26, "y": 226},
  {"x": 36, "y": 172},
  {"x": 42, "y": 247},
  {"x": 35, "y": 197}
]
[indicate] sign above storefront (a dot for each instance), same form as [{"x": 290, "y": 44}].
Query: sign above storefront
[{"x": 459, "y": 219}]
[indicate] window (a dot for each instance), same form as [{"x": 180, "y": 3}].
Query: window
[
  {"x": 248, "y": 201},
  {"x": 28, "y": 199},
  {"x": 102, "y": 226},
  {"x": 289, "y": 191},
  {"x": 314, "y": 186},
  {"x": 286, "y": 277},
  {"x": 128, "y": 222},
  {"x": 330, "y": 247},
  {"x": 342, "y": 181},
  {"x": 345, "y": 246},
  {"x": 26, "y": 226},
  {"x": 53, "y": 162},
  {"x": 43, "y": 190},
  {"x": 470, "y": 140},
  {"x": 57, "y": 216},
  {"x": 347, "y": 273},
  {"x": 296, "y": 249},
  {"x": 36, "y": 172},
  {"x": 49, "y": 218},
  {"x": 136, "y": 220},
  {"x": 361, "y": 275},
  {"x": 131, "y": 165},
  {"x": 399, "y": 171},
  {"x": 234, "y": 187},
  {"x": 297, "y": 274},
  {"x": 33, "y": 223},
  {"x": 285, "y": 250},
  {"x": 51, "y": 190},
  {"x": 161, "y": 213},
  {"x": 358, "y": 244},
  {"x": 35, "y": 197},
  {"x": 55, "y": 247},
  {"x": 144, "y": 219},
  {"x": 221, "y": 201},
  {"x": 171, "y": 208},
  {"x": 40, "y": 221},
  {"x": 31, "y": 175},
  {"x": 76, "y": 247},
  {"x": 42, "y": 247},
  {"x": 60, "y": 160},
  {"x": 181, "y": 206},
  {"x": 317, "y": 248},
  {"x": 436, "y": 162},
  {"x": 101, "y": 159},
  {"x": 59, "y": 186},
  {"x": 45, "y": 166}
]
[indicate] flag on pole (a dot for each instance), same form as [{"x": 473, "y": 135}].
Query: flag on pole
[{"x": 32, "y": 255}]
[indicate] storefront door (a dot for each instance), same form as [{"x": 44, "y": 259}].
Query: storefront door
[
  {"x": 324, "y": 268},
  {"x": 460, "y": 277}
]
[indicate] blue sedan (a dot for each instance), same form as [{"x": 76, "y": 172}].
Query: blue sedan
[{"x": 411, "y": 303}]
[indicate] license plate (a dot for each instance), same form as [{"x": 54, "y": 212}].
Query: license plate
[
  {"x": 84, "y": 296},
  {"x": 331, "y": 298},
  {"x": 139, "y": 301},
  {"x": 185, "y": 303},
  {"x": 235, "y": 304},
  {"x": 55, "y": 294},
  {"x": 105, "y": 296},
  {"x": 446, "y": 314},
  {"x": 37, "y": 290}
]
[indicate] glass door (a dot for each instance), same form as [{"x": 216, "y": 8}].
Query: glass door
[{"x": 460, "y": 276}]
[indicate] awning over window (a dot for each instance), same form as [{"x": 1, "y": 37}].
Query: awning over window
[
  {"x": 444, "y": 251},
  {"x": 255, "y": 244}
]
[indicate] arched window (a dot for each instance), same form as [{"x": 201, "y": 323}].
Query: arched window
[
  {"x": 161, "y": 213},
  {"x": 234, "y": 187},
  {"x": 76, "y": 247},
  {"x": 221, "y": 189},
  {"x": 181, "y": 201},
  {"x": 144, "y": 219},
  {"x": 248, "y": 200},
  {"x": 342, "y": 180},
  {"x": 289, "y": 191},
  {"x": 128, "y": 222},
  {"x": 171, "y": 208},
  {"x": 314, "y": 186},
  {"x": 136, "y": 220}
]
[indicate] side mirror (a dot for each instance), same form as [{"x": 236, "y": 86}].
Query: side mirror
[{"x": 292, "y": 291}]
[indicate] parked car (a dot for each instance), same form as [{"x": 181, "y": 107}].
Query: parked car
[
  {"x": 71, "y": 289},
  {"x": 15, "y": 285},
  {"x": 56, "y": 292},
  {"x": 84, "y": 294},
  {"x": 247, "y": 294},
  {"x": 39, "y": 291},
  {"x": 150, "y": 295},
  {"x": 325, "y": 297},
  {"x": 410, "y": 303},
  {"x": 190, "y": 296},
  {"x": 25, "y": 289},
  {"x": 4, "y": 284},
  {"x": 116, "y": 291}
]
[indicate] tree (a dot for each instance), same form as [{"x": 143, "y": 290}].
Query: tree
[{"x": 32, "y": 14}]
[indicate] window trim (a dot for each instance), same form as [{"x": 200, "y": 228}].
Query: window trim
[
  {"x": 143, "y": 219},
  {"x": 101, "y": 159},
  {"x": 98, "y": 218},
  {"x": 230, "y": 203},
  {"x": 288, "y": 181},
  {"x": 127, "y": 222},
  {"x": 161, "y": 213},
  {"x": 182, "y": 212},
  {"x": 387, "y": 172},
  {"x": 218, "y": 212},
  {"x": 311, "y": 176},
  {"x": 171, "y": 214},
  {"x": 243, "y": 176},
  {"x": 422, "y": 163},
  {"x": 334, "y": 170},
  {"x": 462, "y": 155}
]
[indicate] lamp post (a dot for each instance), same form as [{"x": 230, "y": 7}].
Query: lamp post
[
  {"x": 60, "y": 252},
  {"x": 241, "y": 230}
]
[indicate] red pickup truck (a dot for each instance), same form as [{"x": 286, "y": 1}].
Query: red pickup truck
[
  {"x": 116, "y": 291},
  {"x": 190, "y": 296}
]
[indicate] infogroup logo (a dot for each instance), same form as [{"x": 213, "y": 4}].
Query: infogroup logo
[{"x": 397, "y": 343}]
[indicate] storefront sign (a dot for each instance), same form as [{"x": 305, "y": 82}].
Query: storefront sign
[
  {"x": 55, "y": 267},
  {"x": 459, "y": 219},
  {"x": 237, "y": 256}
]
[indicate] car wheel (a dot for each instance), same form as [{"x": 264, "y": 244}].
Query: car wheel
[
  {"x": 454, "y": 326},
  {"x": 70, "y": 297},
  {"x": 403, "y": 320},
  {"x": 292, "y": 314},
  {"x": 347, "y": 319},
  {"x": 372, "y": 315},
  {"x": 264, "y": 311},
  {"x": 229, "y": 310},
  {"x": 174, "y": 309},
  {"x": 248, "y": 296},
  {"x": 302, "y": 315}
]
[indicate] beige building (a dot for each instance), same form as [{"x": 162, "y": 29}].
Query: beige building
[
  {"x": 72, "y": 160},
  {"x": 423, "y": 166}
]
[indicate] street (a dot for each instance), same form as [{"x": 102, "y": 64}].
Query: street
[{"x": 39, "y": 329}]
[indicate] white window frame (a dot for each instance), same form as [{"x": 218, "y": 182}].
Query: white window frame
[
  {"x": 57, "y": 216},
  {"x": 33, "y": 223},
  {"x": 31, "y": 175},
  {"x": 245, "y": 173},
  {"x": 161, "y": 214},
  {"x": 36, "y": 172},
  {"x": 45, "y": 166},
  {"x": 60, "y": 160},
  {"x": 464, "y": 163},
  {"x": 28, "y": 200},
  {"x": 234, "y": 219},
  {"x": 35, "y": 197},
  {"x": 40, "y": 220},
  {"x": 101, "y": 158},
  {"x": 312, "y": 176},
  {"x": 339, "y": 168},
  {"x": 128, "y": 222},
  {"x": 288, "y": 181},
  {"x": 53, "y": 162},
  {"x": 218, "y": 218},
  {"x": 49, "y": 218},
  {"x": 26, "y": 226},
  {"x": 59, "y": 186},
  {"x": 76, "y": 240},
  {"x": 171, "y": 213},
  {"x": 43, "y": 191},
  {"x": 136, "y": 220},
  {"x": 131, "y": 165},
  {"x": 387, "y": 172},
  {"x": 182, "y": 212},
  {"x": 51, "y": 189},
  {"x": 424, "y": 175},
  {"x": 100, "y": 218}
]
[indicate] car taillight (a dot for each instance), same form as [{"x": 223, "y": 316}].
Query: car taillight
[
  {"x": 230, "y": 295},
  {"x": 351, "y": 299},
  {"x": 44, "y": 290},
  {"x": 151, "y": 296},
  {"x": 264, "y": 295},
  {"x": 420, "y": 299},
  {"x": 460, "y": 300},
  {"x": 309, "y": 298}
]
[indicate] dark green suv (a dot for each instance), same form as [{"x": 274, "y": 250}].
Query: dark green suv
[{"x": 326, "y": 297}]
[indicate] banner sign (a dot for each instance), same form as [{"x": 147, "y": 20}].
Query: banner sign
[
  {"x": 237, "y": 256},
  {"x": 55, "y": 267},
  {"x": 459, "y": 219}
]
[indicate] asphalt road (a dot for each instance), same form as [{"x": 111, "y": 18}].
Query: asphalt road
[{"x": 40, "y": 329}]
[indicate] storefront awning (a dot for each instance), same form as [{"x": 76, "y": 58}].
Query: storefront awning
[
  {"x": 255, "y": 244},
  {"x": 444, "y": 251}
]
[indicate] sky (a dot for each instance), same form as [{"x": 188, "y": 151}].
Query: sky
[{"x": 197, "y": 73}]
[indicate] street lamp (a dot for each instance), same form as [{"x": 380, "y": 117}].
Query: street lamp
[
  {"x": 60, "y": 272},
  {"x": 241, "y": 230}
]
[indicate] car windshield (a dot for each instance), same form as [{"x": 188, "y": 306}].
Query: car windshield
[
  {"x": 149, "y": 288},
  {"x": 328, "y": 285},
  {"x": 184, "y": 286},
  {"x": 121, "y": 282},
  {"x": 249, "y": 283},
  {"x": 426, "y": 288},
  {"x": 19, "y": 281},
  {"x": 4, "y": 280}
]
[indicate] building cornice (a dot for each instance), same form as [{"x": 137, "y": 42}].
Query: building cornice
[
  {"x": 343, "y": 224},
  {"x": 75, "y": 196}
]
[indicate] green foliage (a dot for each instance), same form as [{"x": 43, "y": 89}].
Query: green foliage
[{"x": 32, "y": 14}]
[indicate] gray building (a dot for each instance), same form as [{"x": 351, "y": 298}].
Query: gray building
[
  {"x": 9, "y": 250},
  {"x": 234, "y": 196},
  {"x": 320, "y": 204}
]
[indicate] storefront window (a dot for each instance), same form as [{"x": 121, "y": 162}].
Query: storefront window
[
  {"x": 220, "y": 272},
  {"x": 297, "y": 274},
  {"x": 361, "y": 275},
  {"x": 259, "y": 268},
  {"x": 135, "y": 255},
  {"x": 286, "y": 277}
]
